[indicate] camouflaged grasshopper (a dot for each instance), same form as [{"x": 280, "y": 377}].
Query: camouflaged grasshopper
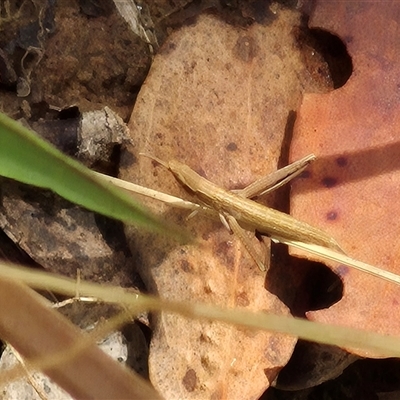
[{"x": 239, "y": 213}]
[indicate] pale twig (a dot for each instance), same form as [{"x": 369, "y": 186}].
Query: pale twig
[
  {"x": 153, "y": 194},
  {"x": 329, "y": 254}
]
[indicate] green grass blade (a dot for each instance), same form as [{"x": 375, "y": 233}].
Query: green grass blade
[{"x": 27, "y": 158}]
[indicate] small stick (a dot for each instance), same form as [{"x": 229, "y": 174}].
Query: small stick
[{"x": 153, "y": 194}]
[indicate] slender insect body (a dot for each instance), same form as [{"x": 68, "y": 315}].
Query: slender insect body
[{"x": 250, "y": 214}]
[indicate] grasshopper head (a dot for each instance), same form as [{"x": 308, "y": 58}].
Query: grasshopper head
[{"x": 184, "y": 174}]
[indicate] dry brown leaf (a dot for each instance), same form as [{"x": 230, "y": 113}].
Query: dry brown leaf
[
  {"x": 60, "y": 236},
  {"x": 217, "y": 98},
  {"x": 352, "y": 191}
]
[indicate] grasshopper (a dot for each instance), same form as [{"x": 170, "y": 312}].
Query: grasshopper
[{"x": 238, "y": 212}]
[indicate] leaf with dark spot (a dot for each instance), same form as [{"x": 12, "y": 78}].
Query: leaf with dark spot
[{"x": 354, "y": 186}]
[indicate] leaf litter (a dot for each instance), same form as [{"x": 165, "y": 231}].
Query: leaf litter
[
  {"x": 218, "y": 98},
  {"x": 190, "y": 379},
  {"x": 352, "y": 192}
]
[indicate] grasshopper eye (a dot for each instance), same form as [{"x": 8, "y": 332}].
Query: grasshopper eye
[{"x": 184, "y": 174}]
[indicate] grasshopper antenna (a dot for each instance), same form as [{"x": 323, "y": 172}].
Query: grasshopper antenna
[{"x": 156, "y": 159}]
